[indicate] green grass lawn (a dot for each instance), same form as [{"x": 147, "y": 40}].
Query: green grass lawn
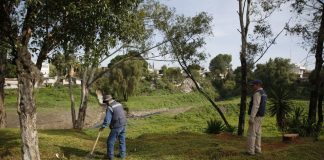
[
  {"x": 156, "y": 146},
  {"x": 48, "y": 98},
  {"x": 165, "y": 136}
]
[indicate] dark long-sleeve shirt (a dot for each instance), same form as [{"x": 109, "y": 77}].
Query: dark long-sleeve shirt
[{"x": 108, "y": 117}]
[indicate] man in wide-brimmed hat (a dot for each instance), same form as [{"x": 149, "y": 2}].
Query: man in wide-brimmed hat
[
  {"x": 256, "y": 112},
  {"x": 116, "y": 120}
]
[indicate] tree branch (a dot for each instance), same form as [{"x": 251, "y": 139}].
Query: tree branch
[
  {"x": 117, "y": 50},
  {"x": 107, "y": 70},
  {"x": 272, "y": 42}
]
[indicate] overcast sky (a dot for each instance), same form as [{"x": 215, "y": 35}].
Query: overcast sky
[{"x": 226, "y": 38}]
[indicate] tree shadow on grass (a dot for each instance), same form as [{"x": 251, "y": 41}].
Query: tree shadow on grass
[
  {"x": 180, "y": 146},
  {"x": 71, "y": 153},
  {"x": 65, "y": 133},
  {"x": 195, "y": 146},
  {"x": 8, "y": 141}
]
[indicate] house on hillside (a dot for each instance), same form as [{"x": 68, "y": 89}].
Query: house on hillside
[
  {"x": 299, "y": 70},
  {"x": 302, "y": 73},
  {"x": 45, "y": 70},
  {"x": 11, "y": 83}
]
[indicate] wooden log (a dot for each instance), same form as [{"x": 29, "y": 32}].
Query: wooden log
[{"x": 289, "y": 137}]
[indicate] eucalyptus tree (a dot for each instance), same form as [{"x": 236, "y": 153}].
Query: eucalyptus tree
[
  {"x": 309, "y": 17},
  {"x": 3, "y": 56},
  {"x": 254, "y": 46},
  {"x": 186, "y": 37},
  {"x": 34, "y": 28},
  {"x": 111, "y": 28},
  {"x": 27, "y": 26},
  {"x": 3, "y": 61}
]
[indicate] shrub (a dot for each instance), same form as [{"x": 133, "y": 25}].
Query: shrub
[
  {"x": 215, "y": 126},
  {"x": 280, "y": 106},
  {"x": 298, "y": 123},
  {"x": 230, "y": 129}
]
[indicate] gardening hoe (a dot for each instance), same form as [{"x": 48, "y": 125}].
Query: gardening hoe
[{"x": 94, "y": 146}]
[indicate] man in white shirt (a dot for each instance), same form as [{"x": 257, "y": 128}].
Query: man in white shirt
[{"x": 256, "y": 112}]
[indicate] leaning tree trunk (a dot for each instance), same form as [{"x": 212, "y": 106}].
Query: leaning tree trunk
[
  {"x": 318, "y": 66},
  {"x": 244, "y": 32},
  {"x": 184, "y": 66},
  {"x": 27, "y": 77},
  {"x": 3, "y": 58}
]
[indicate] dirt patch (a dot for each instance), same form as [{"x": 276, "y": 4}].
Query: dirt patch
[
  {"x": 227, "y": 136},
  {"x": 148, "y": 113},
  {"x": 61, "y": 118},
  {"x": 58, "y": 118},
  {"x": 279, "y": 144}
]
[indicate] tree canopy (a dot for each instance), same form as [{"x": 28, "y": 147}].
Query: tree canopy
[{"x": 220, "y": 64}]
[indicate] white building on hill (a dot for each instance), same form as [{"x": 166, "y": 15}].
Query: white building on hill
[
  {"x": 45, "y": 69},
  {"x": 300, "y": 70}
]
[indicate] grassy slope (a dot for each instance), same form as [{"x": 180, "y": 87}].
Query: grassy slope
[
  {"x": 48, "y": 98},
  {"x": 166, "y": 136}
]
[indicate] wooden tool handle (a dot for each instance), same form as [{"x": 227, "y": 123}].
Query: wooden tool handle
[{"x": 94, "y": 146}]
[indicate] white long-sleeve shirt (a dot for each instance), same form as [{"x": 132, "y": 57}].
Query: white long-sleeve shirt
[{"x": 256, "y": 103}]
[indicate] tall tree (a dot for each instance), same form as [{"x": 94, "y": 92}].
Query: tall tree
[
  {"x": 110, "y": 29},
  {"x": 244, "y": 15},
  {"x": 3, "y": 59},
  {"x": 185, "y": 35},
  {"x": 312, "y": 31},
  {"x": 256, "y": 13},
  {"x": 220, "y": 64},
  {"x": 172, "y": 75},
  {"x": 125, "y": 76},
  {"x": 32, "y": 30},
  {"x": 28, "y": 74},
  {"x": 276, "y": 73}
]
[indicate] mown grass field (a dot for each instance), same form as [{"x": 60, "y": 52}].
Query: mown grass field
[{"x": 166, "y": 136}]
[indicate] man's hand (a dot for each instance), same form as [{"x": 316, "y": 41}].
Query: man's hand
[
  {"x": 251, "y": 120},
  {"x": 101, "y": 129}
]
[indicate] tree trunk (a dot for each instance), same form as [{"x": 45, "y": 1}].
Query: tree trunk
[
  {"x": 244, "y": 33},
  {"x": 88, "y": 75},
  {"x": 125, "y": 95},
  {"x": 185, "y": 68},
  {"x": 318, "y": 66},
  {"x": 27, "y": 76},
  {"x": 320, "y": 109},
  {"x": 72, "y": 99},
  {"x": 3, "y": 58},
  {"x": 241, "y": 122},
  {"x": 83, "y": 107}
]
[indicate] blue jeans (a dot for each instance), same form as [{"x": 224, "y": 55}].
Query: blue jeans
[{"x": 115, "y": 133}]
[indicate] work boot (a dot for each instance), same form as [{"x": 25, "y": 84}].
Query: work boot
[
  {"x": 120, "y": 157},
  {"x": 107, "y": 158},
  {"x": 249, "y": 153}
]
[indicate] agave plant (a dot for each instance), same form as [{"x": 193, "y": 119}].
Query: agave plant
[
  {"x": 215, "y": 126},
  {"x": 280, "y": 106}
]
